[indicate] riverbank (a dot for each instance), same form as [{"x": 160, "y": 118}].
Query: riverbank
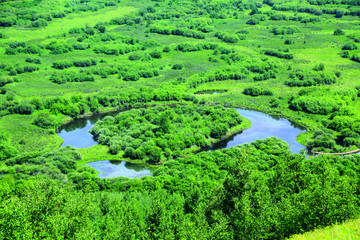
[{"x": 342, "y": 153}]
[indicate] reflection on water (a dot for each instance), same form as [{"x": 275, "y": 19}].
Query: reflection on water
[
  {"x": 112, "y": 168},
  {"x": 76, "y": 133},
  {"x": 263, "y": 126}
]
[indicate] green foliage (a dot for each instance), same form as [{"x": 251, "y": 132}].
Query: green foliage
[
  {"x": 62, "y": 64},
  {"x": 349, "y": 46},
  {"x": 315, "y": 105},
  {"x": 69, "y": 76},
  {"x": 339, "y": 32},
  {"x": 299, "y": 78},
  {"x": 278, "y": 54},
  {"x": 150, "y": 133},
  {"x": 257, "y": 91},
  {"x": 46, "y": 120}
]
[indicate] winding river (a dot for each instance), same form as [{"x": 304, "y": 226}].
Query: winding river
[{"x": 76, "y": 134}]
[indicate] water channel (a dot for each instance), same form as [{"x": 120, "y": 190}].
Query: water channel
[{"x": 76, "y": 134}]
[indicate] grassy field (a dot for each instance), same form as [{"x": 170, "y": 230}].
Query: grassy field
[{"x": 346, "y": 231}]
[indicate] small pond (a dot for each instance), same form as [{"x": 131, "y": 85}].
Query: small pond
[{"x": 108, "y": 169}]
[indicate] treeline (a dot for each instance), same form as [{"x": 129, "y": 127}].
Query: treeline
[
  {"x": 259, "y": 71},
  {"x": 78, "y": 104},
  {"x": 115, "y": 49},
  {"x": 63, "y": 64},
  {"x": 321, "y": 8}
]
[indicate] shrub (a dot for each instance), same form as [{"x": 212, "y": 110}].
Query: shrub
[
  {"x": 177, "y": 66},
  {"x": 5, "y": 80},
  {"x": 166, "y": 49},
  {"x": 253, "y": 21},
  {"x": 155, "y": 54},
  {"x": 134, "y": 56},
  {"x": 39, "y": 23},
  {"x": 46, "y": 120},
  {"x": 7, "y": 22},
  {"x": 257, "y": 91},
  {"x": 85, "y": 63},
  {"x": 349, "y": 46},
  {"x": 32, "y": 49},
  {"x": 62, "y": 64},
  {"x": 23, "y": 108},
  {"x": 339, "y": 32},
  {"x": 131, "y": 77}
]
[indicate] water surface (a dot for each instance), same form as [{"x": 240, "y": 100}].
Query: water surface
[
  {"x": 76, "y": 133},
  {"x": 263, "y": 126},
  {"x": 108, "y": 169}
]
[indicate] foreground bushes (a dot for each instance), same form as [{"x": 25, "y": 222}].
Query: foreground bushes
[{"x": 219, "y": 192}]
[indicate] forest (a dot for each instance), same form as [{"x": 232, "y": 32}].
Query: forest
[{"x": 166, "y": 79}]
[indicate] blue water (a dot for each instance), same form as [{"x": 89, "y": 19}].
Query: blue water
[
  {"x": 263, "y": 126},
  {"x": 110, "y": 169},
  {"x": 76, "y": 134}
]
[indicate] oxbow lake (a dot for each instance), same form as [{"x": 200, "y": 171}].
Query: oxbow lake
[{"x": 76, "y": 134}]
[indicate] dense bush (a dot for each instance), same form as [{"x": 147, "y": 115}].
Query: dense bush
[
  {"x": 177, "y": 66},
  {"x": 46, "y": 120},
  {"x": 315, "y": 105},
  {"x": 339, "y": 32},
  {"x": 33, "y": 60},
  {"x": 84, "y": 63},
  {"x": 64, "y": 77},
  {"x": 23, "y": 108},
  {"x": 177, "y": 31},
  {"x": 278, "y": 54},
  {"x": 228, "y": 38},
  {"x": 59, "y": 47},
  {"x": 7, "y": 22},
  {"x": 284, "y": 30},
  {"x": 257, "y": 91},
  {"x": 306, "y": 79},
  {"x": 349, "y": 46},
  {"x": 152, "y": 133},
  {"x": 5, "y": 80},
  {"x": 62, "y": 64}
]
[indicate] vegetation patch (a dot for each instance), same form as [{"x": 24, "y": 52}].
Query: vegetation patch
[{"x": 159, "y": 134}]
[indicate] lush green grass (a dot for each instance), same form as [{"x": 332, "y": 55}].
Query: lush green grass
[
  {"x": 27, "y": 137},
  {"x": 346, "y": 231}
]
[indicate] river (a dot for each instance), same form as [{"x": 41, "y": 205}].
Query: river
[{"x": 76, "y": 134}]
